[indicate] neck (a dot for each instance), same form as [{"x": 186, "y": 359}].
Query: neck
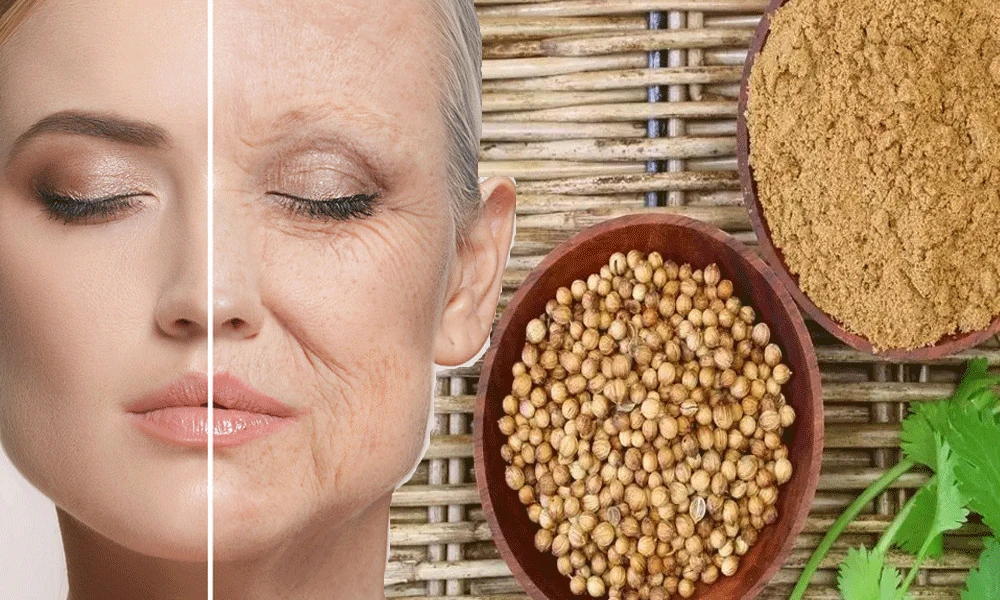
[
  {"x": 100, "y": 569},
  {"x": 347, "y": 563}
]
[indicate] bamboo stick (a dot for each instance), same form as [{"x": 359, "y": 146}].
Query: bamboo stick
[
  {"x": 635, "y": 111},
  {"x": 643, "y": 182},
  {"x": 397, "y": 572},
  {"x": 554, "y": 203},
  {"x": 578, "y": 8},
  {"x": 507, "y": 28},
  {"x": 437, "y": 495},
  {"x": 644, "y": 41},
  {"x": 712, "y": 128},
  {"x": 617, "y": 79},
  {"x": 732, "y": 20},
  {"x": 612, "y": 150},
  {"x": 449, "y": 446},
  {"x": 731, "y": 218},
  {"x": 494, "y": 131},
  {"x": 494, "y": 102},
  {"x": 551, "y": 169},
  {"x": 514, "y": 68},
  {"x": 519, "y": 49}
]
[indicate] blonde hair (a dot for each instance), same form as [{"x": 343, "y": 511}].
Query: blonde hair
[
  {"x": 12, "y": 12},
  {"x": 460, "y": 77}
]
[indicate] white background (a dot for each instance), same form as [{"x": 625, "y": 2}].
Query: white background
[{"x": 32, "y": 565}]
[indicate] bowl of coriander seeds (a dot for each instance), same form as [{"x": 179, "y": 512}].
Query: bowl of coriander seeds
[{"x": 649, "y": 422}]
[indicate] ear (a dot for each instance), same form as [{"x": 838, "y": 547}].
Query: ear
[{"x": 474, "y": 286}]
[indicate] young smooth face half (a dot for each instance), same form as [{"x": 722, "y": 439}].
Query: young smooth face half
[
  {"x": 339, "y": 277},
  {"x": 102, "y": 261}
]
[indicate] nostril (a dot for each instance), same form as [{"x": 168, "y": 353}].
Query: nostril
[
  {"x": 235, "y": 324},
  {"x": 184, "y": 323}
]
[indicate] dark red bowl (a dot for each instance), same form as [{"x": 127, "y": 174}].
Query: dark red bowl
[
  {"x": 684, "y": 241},
  {"x": 946, "y": 346}
]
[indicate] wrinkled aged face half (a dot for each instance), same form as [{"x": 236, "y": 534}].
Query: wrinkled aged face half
[
  {"x": 103, "y": 210},
  {"x": 333, "y": 244}
]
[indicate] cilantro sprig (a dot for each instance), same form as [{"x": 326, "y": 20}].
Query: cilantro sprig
[{"x": 959, "y": 439}]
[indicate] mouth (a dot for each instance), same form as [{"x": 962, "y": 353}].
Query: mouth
[{"x": 178, "y": 414}]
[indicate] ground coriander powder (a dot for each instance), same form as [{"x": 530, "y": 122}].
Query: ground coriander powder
[{"x": 875, "y": 144}]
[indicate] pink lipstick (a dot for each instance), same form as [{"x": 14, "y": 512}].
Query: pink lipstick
[{"x": 178, "y": 413}]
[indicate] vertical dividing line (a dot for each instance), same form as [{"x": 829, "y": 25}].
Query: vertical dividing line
[
  {"x": 653, "y": 96},
  {"x": 210, "y": 285}
]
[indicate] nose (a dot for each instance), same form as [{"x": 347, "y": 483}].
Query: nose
[
  {"x": 237, "y": 307},
  {"x": 236, "y": 300},
  {"x": 182, "y": 308},
  {"x": 182, "y": 311}
]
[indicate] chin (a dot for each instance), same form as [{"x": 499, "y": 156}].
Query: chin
[
  {"x": 175, "y": 536},
  {"x": 156, "y": 512}
]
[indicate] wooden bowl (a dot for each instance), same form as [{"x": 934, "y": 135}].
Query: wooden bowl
[
  {"x": 946, "y": 346},
  {"x": 684, "y": 241}
]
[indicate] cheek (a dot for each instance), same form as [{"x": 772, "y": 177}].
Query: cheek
[
  {"x": 362, "y": 308},
  {"x": 73, "y": 310}
]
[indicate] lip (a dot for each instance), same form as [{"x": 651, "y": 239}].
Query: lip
[{"x": 178, "y": 413}]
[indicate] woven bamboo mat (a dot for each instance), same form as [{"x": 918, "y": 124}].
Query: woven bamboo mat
[{"x": 601, "y": 108}]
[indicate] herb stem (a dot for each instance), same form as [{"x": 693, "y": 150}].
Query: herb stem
[
  {"x": 887, "y": 538},
  {"x": 916, "y": 566},
  {"x": 852, "y": 511}
]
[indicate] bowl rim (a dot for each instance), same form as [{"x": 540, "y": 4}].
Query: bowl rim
[
  {"x": 801, "y": 333},
  {"x": 946, "y": 346}
]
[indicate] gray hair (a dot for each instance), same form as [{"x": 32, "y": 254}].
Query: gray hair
[{"x": 462, "y": 103}]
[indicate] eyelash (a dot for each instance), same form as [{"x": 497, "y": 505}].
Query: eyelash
[
  {"x": 358, "y": 206},
  {"x": 69, "y": 209}
]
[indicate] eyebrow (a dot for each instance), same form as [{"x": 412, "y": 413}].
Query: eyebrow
[{"x": 103, "y": 126}]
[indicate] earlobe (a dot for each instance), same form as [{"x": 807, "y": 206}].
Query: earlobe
[{"x": 482, "y": 258}]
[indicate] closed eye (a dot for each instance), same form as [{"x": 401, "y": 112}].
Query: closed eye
[
  {"x": 346, "y": 208},
  {"x": 71, "y": 210}
]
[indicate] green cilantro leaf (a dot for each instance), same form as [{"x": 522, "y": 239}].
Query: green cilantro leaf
[
  {"x": 975, "y": 437},
  {"x": 917, "y": 526},
  {"x": 976, "y": 390},
  {"x": 976, "y": 385},
  {"x": 917, "y": 435},
  {"x": 865, "y": 576},
  {"x": 889, "y": 584},
  {"x": 860, "y": 575},
  {"x": 951, "y": 511},
  {"x": 984, "y": 583}
]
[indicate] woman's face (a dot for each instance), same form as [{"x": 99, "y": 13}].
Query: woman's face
[
  {"x": 102, "y": 259},
  {"x": 337, "y": 308}
]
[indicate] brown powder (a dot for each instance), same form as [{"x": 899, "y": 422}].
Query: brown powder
[{"x": 875, "y": 142}]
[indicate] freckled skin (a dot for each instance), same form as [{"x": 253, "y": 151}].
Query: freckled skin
[{"x": 342, "y": 320}]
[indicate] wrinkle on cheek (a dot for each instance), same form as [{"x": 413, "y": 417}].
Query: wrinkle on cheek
[{"x": 358, "y": 310}]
